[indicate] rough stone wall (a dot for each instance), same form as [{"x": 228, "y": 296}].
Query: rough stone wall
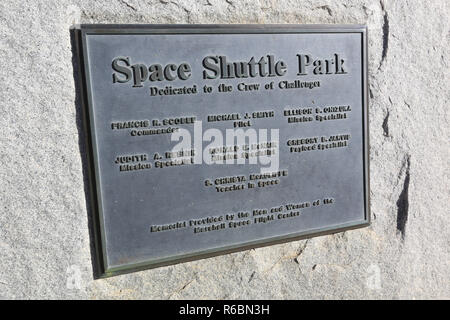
[{"x": 44, "y": 236}]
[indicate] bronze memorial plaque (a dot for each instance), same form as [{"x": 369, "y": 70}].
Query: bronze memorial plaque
[{"x": 209, "y": 139}]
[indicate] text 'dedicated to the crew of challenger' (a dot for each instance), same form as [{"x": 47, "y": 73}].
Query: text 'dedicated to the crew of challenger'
[{"x": 207, "y": 140}]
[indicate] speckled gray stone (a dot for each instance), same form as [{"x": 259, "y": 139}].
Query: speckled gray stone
[{"x": 44, "y": 235}]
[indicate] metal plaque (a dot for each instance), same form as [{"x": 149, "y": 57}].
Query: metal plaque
[{"x": 209, "y": 139}]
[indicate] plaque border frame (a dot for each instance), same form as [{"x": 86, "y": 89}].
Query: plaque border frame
[{"x": 101, "y": 269}]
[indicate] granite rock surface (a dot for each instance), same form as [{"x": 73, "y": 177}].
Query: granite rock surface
[{"x": 45, "y": 246}]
